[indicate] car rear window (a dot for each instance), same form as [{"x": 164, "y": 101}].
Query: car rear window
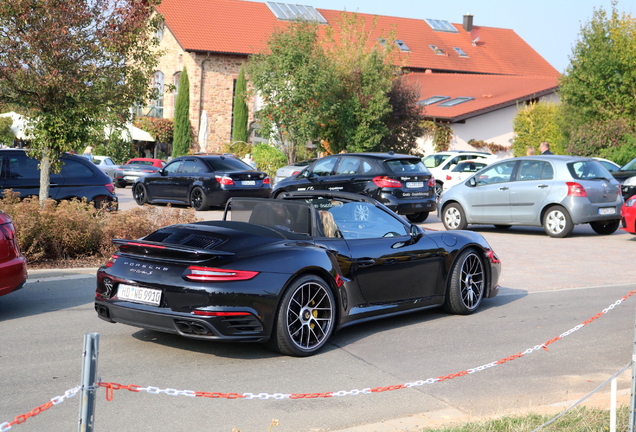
[
  {"x": 228, "y": 164},
  {"x": 401, "y": 166},
  {"x": 433, "y": 161},
  {"x": 75, "y": 169},
  {"x": 588, "y": 170}
]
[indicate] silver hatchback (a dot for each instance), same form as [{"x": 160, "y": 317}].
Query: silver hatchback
[{"x": 556, "y": 192}]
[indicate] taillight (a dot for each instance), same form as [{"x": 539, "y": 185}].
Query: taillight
[
  {"x": 267, "y": 180},
  {"x": 224, "y": 180},
  {"x": 112, "y": 260},
  {"x": 210, "y": 274},
  {"x": 110, "y": 188},
  {"x": 8, "y": 232},
  {"x": 295, "y": 172},
  {"x": 149, "y": 171},
  {"x": 209, "y": 313},
  {"x": 431, "y": 181},
  {"x": 492, "y": 256},
  {"x": 384, "y": 181},
  {"x": 448, "y": 177},
  {"x": 576, "y": 189}
]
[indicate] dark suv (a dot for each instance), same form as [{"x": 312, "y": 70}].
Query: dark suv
[
  {"x": 400, "y": 182},
  {"x": 79, "y": 178}
]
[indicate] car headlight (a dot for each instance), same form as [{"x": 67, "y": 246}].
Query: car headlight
[
  {"x": 630, "y": 202},
  {"x": 630, "y": 181}
]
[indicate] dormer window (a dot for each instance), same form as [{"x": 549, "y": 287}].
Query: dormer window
[{"x": 437, "y": 50}]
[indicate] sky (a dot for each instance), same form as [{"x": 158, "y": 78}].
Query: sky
[{"x": 551, "y": 27}]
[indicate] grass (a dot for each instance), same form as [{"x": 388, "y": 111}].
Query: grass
[{"x": 580, "y": 419}]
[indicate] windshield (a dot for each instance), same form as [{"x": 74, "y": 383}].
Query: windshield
[
  {"x": 433, "y": 161},
  {"x": 631, "y": 166}
]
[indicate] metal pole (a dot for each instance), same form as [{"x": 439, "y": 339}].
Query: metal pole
[
  {"x": 89, "y": 378},
  {"x": 613, "y": 390},
  {"x": 632, "y": 404}
]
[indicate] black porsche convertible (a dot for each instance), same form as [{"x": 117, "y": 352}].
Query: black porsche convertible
[{"x": 291, "y": 271}]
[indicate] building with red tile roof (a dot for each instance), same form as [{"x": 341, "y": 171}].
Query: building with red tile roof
[{"x": 493, "y": 68}]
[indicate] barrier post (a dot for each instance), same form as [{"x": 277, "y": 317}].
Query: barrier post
[{"x": 89, "y": 385}]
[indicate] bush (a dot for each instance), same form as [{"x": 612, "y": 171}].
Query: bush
[
  {"x": 268, "y": 158},
  {"x": 77, "y": 230}
]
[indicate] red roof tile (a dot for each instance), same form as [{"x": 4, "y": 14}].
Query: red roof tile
[
  {"x": 489, "y": 92},
  {"x": 243, "y": 27}
]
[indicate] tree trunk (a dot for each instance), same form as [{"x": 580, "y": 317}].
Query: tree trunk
[{"x": 45, "y": 169}]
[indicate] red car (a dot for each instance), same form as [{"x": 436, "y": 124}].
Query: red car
[
  {"x": 628, "y": 215},
  {"x": 13, "y": 271},
  {"x": 133, "y": 169},
  {"x": 147, "y": 161}
]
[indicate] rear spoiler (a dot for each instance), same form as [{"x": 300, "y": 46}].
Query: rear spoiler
[{"x": 167, "y": 251}]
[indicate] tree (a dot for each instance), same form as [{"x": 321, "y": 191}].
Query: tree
[
  {"x": 536, "y": 123},
  {"x": 182, "y": 129},
  {"x": 6, "y": 135},
  {"x": 239, "y": 124},
  {"x": 73, "y": 68},
  {"x": 292, "y": 79},
  {"x": 600, "y": 82}
]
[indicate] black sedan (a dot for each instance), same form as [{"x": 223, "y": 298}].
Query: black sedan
[
  {"x": 291, "y": 271},
  {"x": 202, "y": 181}
]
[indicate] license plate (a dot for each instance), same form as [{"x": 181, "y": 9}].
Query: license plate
[
  {"x": 249, "y": 182},
  {"x": 138, "y": 294},
  {"x": 413, "y": 185},
  {"x": 607, "y": 211}
]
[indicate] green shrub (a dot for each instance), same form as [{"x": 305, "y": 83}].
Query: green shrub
[{"x": 268, "y": 158}]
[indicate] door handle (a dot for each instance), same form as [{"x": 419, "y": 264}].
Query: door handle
[
  {"x": 542, "y": 186},
  {"x": 504, "y": 188},
  {"x": 365, "y": 262}
]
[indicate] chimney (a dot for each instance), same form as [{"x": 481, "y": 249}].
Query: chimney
[{"x": 468, "y": 22}]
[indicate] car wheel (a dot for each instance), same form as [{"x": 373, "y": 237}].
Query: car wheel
[
  {"x": 140, "y": 194},
  {"x": 361, "y": 212},
  {"x": 605, "y": 227},
  {"x": 417, "y": 217},
  {"x": 467, "y": 284},
  {"x": 278, "y": 194},
  {"x": 454, "y": 218},
  {"x": 305, "y": 317},
  {"x": 557, "y": 222},
  {"x": 198, "y": 200},
  {"x": 439, "y": 188}
]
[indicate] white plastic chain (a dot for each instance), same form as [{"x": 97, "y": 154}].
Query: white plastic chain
[{"x": 55, "y": 401}]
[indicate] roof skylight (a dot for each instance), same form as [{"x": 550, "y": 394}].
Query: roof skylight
[
  {"x": 437, "y": 50},
  {"x": 432, "y": 100},
  {"x": 291, "y": 12},
  {"x": 456, "y": 101},
  {"x": 402, "y": 45},
  {"x": 461, "y": 52},
  {"x": 441, "y": 25}
]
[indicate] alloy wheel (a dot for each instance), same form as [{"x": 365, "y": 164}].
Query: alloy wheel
[{"x": 310, "y": 315}]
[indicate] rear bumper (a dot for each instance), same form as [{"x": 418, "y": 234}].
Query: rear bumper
[
  {"x": 408, "y": 206},
  {"x": 13, "y": 275}
]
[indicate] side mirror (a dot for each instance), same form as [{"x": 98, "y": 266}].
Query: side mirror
[
  {"x": 162, "y": 171},
  {"x": 416, "y": 232},
  {"x": 472, "y": 182}
]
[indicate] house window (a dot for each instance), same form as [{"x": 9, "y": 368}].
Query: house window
[
  {"x": 156, "y": 105},
  {"x": 177, "y": 78},
  {"x": 456, "y": 101},
  {"x": 441, "y": 25},
  {"x": 432, "y": 100},
  {"x": 437, "y": 50},
  {"x": 159, "y": 32},
  {"x": 402, "y": 45},
  {"x": 461, "y": 52}
]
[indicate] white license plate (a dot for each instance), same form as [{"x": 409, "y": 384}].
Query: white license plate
[
  {"x": 138, "y": 294},
  {"x": 249, "y": 182},
  {"x": 607, "y": 210},
  {"x": 412, "y": 185}
]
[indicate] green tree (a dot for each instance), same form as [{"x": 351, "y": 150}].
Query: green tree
[
  {"x": 6, "y": 136},
  {"x": 182, "y": 129},
  {"x": 292, "y": 79},
  {"x": 536, "y": 123},
  {"x": 600, "y": 82},
  {"x": 239, "y": 124},
  {"x": 73, "y": 68}
]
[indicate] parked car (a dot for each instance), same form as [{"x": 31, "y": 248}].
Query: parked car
[
  {"x": 611, "y": 166},
  {"x": 628, "y": 216},
  {"x": 463, "y": 170},
  {"x": 556, "y": 192},
  {"x": 13, "y": 267},
  {"x": 291, "y": 170},
  {"x": 626, "y": 175},
  {"x": 441, "y": 163},
  {"x": 291, "y": 271},
  {"x": 129, "y": 172},
  {"x": 202, "y": 181},
  {"x": 106, "y": 164},
  {"x": 79, "y": 178},
  {"x": 400, "y": 182}
]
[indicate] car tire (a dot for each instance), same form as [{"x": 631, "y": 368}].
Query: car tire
[
  {"x": 198, "y": 199},
  {"x": 140, "y": 194},
  {"x": 417, "y": 217},
  {"x": 305, "y": 318},
  {"x": 467, "y": 284},
  {"x": 453, "y": 217},
  {"x": 439, "y": 188},
  {"x": 605, "y": 227},
  {"x": 277, "y": 194},
  {"x": 557, "y": 222}
]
